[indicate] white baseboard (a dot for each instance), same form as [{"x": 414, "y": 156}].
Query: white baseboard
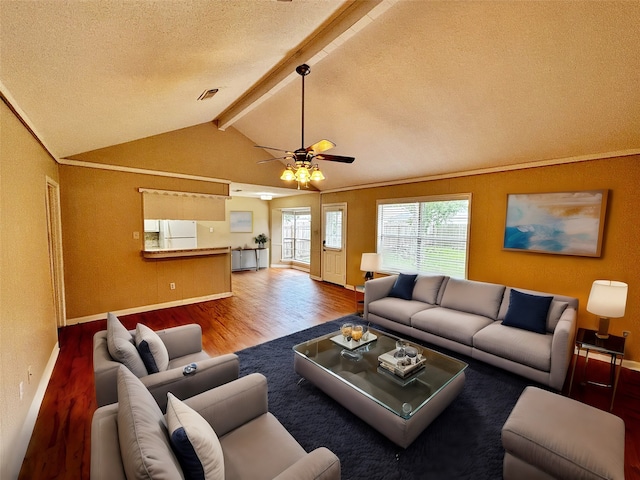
[
  {"x": 22, "y": 443},
  {"x": 148, "y": 308}
]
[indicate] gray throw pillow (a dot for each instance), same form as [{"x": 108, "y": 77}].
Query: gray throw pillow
[
  {"x": 556, "y": 310},
  {"x": 427, "y": 287},
  {"x": 152, "y": 349},
  {"x": 122, "y": 348},
  {"x": 144, "y": 440},
  {"x": 194, "y": 441}
]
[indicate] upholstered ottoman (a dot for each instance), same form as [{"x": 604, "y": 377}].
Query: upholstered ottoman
[{"x": 550, "y": 436}]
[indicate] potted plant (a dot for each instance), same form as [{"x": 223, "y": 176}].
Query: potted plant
[{"x": 261, "y": 240}]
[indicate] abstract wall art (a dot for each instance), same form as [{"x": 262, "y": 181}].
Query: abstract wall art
[
  {"x": 565, "y": 223},
  {"x": 241, "y": 222}
]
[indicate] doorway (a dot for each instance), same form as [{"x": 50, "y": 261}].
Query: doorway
[
  {"x": 54, "y": 234},
  {"x": 334, "y": 258}
]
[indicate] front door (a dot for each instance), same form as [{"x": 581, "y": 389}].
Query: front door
[{"x": 334, "y": 259}]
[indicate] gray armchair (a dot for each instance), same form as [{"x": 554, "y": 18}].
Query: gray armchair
[
  {"x": 184, "y": 346},
  {"x": 131, "y": 438}
]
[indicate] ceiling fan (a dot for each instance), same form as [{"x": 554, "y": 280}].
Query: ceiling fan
[{"x": 303, "y": 170}]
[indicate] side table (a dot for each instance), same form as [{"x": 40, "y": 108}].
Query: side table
[
  {"x": 613, "y": 346},
  {"x": 358, "y": 290}
]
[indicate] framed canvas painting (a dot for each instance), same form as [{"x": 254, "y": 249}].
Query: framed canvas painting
[
  {"x": 241, "y": 222},
  {"x": 564, "y": 223}
]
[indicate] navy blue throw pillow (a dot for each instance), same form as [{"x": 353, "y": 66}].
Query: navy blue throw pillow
[
  {"x": 187, "y": 456},
  {"x": 528, "y": 312},
  {"x": 403, "y": 288},
  {"x": 147, "y": 357}
]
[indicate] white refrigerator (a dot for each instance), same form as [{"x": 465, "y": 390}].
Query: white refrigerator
[{"x": 178, "y": 234}]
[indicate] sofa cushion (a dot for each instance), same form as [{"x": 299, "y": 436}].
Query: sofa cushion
[
  {"x": 152, "y": 349},
  {"x": 195, "y": 443},
  {"x": 403, "y": 287},
  {"x": 515, "y": 344},
  {"x": 121, "y": 346},
  {"x": 426, "y": 288},
  {"x": 473, "y": 297},
  {"x": 528, "y": 312},
  {"x": 450, "y": 324},
  {"x": 396, "y": 309},
  {"x": 144, "y": 439},
  {"x": 260, "y": 448}
]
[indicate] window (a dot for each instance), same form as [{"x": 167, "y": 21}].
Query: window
[
  {"x": 424, "y": 235},
  {"x": 296, "y": 235},
  {"x": 333, "y": 229}
]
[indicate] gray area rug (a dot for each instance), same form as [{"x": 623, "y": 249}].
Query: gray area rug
[{"x": 462, "y": 443}]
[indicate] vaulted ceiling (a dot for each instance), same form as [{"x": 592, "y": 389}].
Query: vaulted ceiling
[{"x": 412, "y": 89}]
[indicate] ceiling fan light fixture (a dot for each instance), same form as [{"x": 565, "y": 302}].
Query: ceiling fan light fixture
[
  {"x": 303, "y": 175},
  {"x": 317, "y": 175},
  {"x": 288, "y": 174},
  {"x": 302, "y": 169}
]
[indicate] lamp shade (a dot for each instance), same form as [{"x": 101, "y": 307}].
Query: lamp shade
[
  {"x": 370, "y": 262},
  {"x": 608, "y": 298}
]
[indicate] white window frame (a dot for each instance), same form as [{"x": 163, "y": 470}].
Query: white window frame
[{"x": 439, "y": 268}]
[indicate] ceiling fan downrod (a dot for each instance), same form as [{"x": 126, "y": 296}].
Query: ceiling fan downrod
[{"x": 303, "y": 70}]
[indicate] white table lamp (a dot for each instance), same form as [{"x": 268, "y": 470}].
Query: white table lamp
[
  {"x": 370, "y": 263},
  {"x": 607, "y": 299}
]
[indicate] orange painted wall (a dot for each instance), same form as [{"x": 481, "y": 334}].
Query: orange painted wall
[
  {"x": 104, "y": 268},
  {"x": 568, "y": 275}
]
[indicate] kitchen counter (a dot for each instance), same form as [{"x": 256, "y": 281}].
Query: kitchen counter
[{"x": 187, "y": 252}]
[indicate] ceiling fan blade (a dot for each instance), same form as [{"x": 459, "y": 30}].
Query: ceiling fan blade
[
  {"x": 274, "y": 159},
  {"x": 321, "y": 146},
  {"x": 272, "y": 148},
  {"x": 335, "y": 158}
]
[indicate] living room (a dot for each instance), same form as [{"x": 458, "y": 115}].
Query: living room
[{"x": 100, "y": 207}]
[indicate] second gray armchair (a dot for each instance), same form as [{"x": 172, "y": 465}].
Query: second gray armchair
[{"x": 183, "y": 346}]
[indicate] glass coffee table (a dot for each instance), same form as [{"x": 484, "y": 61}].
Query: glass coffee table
[{"x": 358, "y": 375}]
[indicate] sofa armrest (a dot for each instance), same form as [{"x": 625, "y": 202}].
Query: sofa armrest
[
  {"x": 376, "y": 289},
  {"x": 320, "y": 464},
  {"x": 106, "y": 461},
  {"x": 209, "y": 374},
  {"x": 105, "y": 371},
  {"x": 182, "y": 340},
  {"x": 562, "y": 347},
  {"x": 233, "y": 404}
]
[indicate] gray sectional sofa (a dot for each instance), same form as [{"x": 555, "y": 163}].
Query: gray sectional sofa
[{"x": 523, "y": 331}]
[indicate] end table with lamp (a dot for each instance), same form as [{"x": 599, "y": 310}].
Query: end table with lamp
[
  {"x": 607, "y": 299},
  {"x": 369, "y": 264}
]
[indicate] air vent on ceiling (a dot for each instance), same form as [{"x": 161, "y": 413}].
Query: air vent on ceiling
[{"x": 208, "y": 94}]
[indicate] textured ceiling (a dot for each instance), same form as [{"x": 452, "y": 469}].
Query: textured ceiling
[{"x": 414, "y": 89}]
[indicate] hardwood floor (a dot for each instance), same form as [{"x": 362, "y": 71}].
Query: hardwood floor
[{"x": 266, "y": 305}]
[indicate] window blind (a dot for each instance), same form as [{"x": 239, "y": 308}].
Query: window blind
[{"x": 424, "y": 236}]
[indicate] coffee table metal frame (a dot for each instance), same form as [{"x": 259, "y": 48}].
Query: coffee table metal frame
[{"x": 398, "y": 408}]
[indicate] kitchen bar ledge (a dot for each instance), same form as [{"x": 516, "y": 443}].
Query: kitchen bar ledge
[{"x": 187, "y": 252}]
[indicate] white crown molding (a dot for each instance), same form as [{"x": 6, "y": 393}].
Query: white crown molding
[
  {"x": 141, "y": 171},
  {"x": 483, "y": 171}
]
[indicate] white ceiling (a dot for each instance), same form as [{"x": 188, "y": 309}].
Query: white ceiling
[{"x": 412, "y": 89}]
